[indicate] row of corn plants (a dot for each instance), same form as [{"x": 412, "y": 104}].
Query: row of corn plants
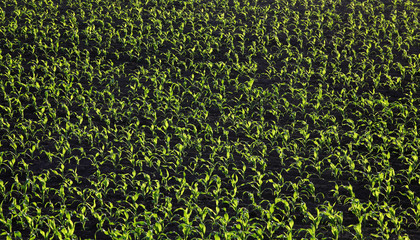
[{"x": 252, "y": 119}]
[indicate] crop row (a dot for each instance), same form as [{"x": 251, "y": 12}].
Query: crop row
[{"x": 209, "y": 119}]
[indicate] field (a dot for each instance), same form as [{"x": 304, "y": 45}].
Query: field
[{"x": 197, "y": 119}]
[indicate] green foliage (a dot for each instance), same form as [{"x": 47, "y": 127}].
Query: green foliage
[{"x": 251, "y": 119}]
